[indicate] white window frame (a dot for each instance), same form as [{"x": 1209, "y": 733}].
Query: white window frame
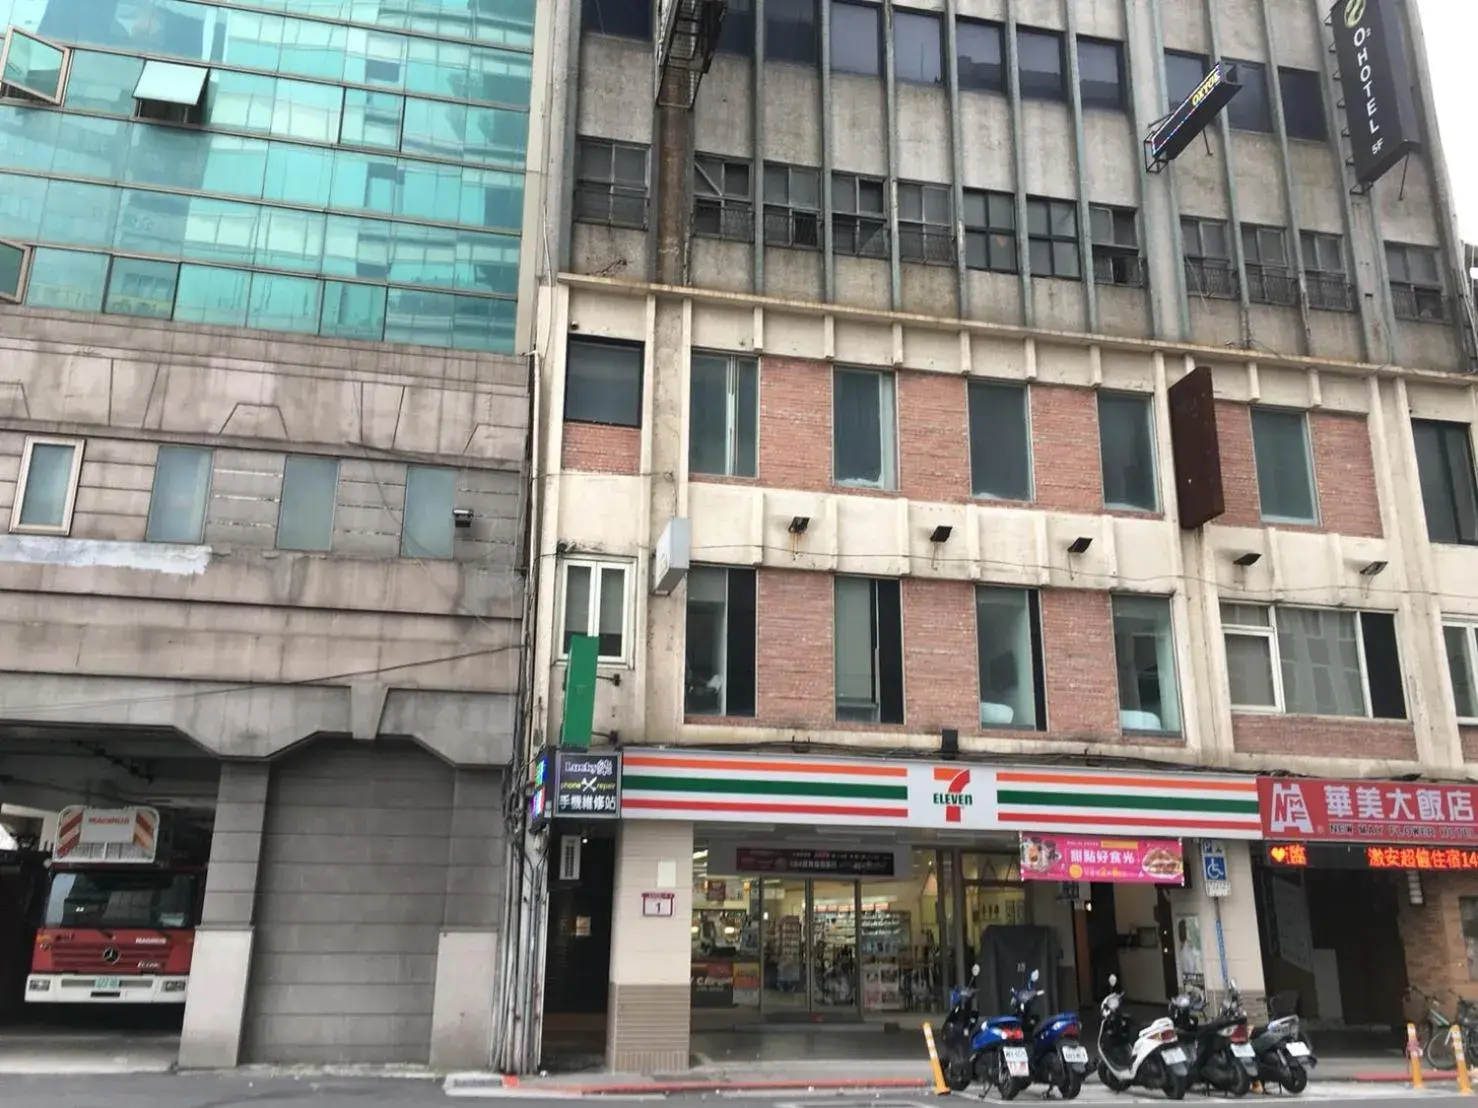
[
  {"x": 62, "y": 77},
  {"x": 32, "y": 441},
  {"x": 25, "y": 272},
  {"x": 1313, "y": 477},
  {"x": 592, "y": 617},
  {"x": 1469, "y": 628},
  {"x": 1276, "y": 658}
]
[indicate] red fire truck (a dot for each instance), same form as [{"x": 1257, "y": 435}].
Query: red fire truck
[{"x": 119, "y": 925}]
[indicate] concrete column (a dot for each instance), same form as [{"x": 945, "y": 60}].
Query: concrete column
[
  {"x": 468, "y": 952},
  {"x": 215, "y": 1005},
  {"x": 650, "y": 984},
  {"x": 1239, "y": 933}
]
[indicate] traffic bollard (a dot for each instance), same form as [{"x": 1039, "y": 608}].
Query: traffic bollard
[
  {"x": 940, "y": 1086},
  {"x": 1414, "y": 1056},
  {"x": 1464, "y": 1086}
]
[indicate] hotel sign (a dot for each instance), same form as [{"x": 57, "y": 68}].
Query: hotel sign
[{"x": 1380, "y": 110}]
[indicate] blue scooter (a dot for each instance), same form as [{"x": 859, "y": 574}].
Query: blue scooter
[
  {"x": 1058, "y": 1060},
  {"x": 992, "y": 1051}
]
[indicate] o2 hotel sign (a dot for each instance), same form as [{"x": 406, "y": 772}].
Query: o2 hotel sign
[{"x": 1380, "y": 111}]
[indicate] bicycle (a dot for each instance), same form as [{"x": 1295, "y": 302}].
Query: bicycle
[{"x": 1433, "y": 1029}]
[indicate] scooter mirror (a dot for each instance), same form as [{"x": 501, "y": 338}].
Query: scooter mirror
[
  {"x": 1035, "y": 977},
  {"x": 1113, "y": 980},
  {"x": 975, "y": 970}
]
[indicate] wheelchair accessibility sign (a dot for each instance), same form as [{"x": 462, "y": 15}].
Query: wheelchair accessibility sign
[{"x": 1214, "y": 868}]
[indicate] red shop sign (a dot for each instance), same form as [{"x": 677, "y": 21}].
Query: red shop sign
[{"x": 1368, "y": 811}]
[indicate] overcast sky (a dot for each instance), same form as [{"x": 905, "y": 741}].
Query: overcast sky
[{"x": 1450, "y": 27}]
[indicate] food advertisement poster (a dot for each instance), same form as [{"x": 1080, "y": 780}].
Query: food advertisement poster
[{"x": 1127, "y": 861}]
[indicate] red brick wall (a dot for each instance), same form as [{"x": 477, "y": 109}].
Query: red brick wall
[
  {"x": 941, "y": 686},
  {"x": 1082, "y": 682},
  {"x": 1345, "y": 472},
  {"x": 795, "y": 424},
  {"x": 1432, "y": 933},
  {"x": 600, "y": 448},
  {"x": 1322, "y": 736},
  {"x": 795, "y": 676},
  {"x": 1238, "y": 467},
  {"x": 1065, "y": 460},
  {"x": 1470, "y": 743},
  {"x": 933, "y": 437}
]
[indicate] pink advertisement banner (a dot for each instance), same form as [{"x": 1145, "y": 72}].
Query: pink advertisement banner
[{"x": 1127, "y": 861}]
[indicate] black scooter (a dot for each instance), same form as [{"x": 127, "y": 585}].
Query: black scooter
[
  {"x": 955, "y": 1054},
  {"x": 1221, "y": 1057},
  {"x": 1284, "y": 1056}
]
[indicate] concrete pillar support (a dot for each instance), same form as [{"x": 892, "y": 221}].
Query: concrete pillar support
[{"x": 1239, "y": 933}]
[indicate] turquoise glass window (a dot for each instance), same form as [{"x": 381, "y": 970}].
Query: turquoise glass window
[
  {"x": 307, "y": 111},
  {"x": 298, "y": 174},
  {"x": 366, "y": 181},
  {"x": 231, "y": 164},
  {"x": 279, "y": 303},
  {"x": 434, "y": 127},
  {"x": 103, "y": 82},
  {"x": 488, "y": 263},
  {"x": 305, "y": 517},
  {"x": 152, "y": 223},
  {"x": 213, "y": 296},
  {"x": 22, "y": 200},
  {"x": 496, "y": 135},
  {"x": 289, "y": 240},
  {"x": 250, "y": 40},
  {"x": 313, "y": 49},
  {"x": 137, "y": 287},
  {"x": 79, "y": 215},
  {"x": 432, "y": 192},
  {"x": 371, "y": 118},
  {"x": 33, "y": 65},
  {"x": 439, "y": 68},
  {"x": 426, "y": 529},
  {"x": 491, "y": 198},
  {"x": 243, "y": 101},
  {"x": 220, "y": 230},
  {"x": 12, "y": 268},
  {"x": 90, "y": 147},
  {"x": 28, "y": 138},
  {"x": 67, "y": 279},
  {"x": 420, "y": 318},
  {"x": 482, "y": 324},
  {"x": 353, "y": 311},
  {"x": 356, "y": 248},
  {"x": 171, "y": 83},
  {"x": 499, "y": 77},
  {"x": 463, "y": 133}
]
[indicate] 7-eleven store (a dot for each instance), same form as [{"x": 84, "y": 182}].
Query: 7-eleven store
[{"x": 754, "y": 890}]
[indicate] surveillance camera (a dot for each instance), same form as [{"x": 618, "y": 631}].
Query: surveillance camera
[{"x": 462, "y": 517}]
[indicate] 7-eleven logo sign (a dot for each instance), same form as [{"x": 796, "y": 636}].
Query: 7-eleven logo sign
[{"x": 950, "y": 792}]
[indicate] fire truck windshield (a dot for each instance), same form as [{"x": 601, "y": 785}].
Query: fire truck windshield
[{"x": 119, "y": 899}]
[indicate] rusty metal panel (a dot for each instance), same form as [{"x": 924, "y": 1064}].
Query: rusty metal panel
[{"x": 1197, "y": 450}]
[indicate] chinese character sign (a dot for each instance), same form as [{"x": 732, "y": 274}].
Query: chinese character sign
[
  {"x": 1128, "y": 861},
  {"x": 1421, "y": 857},
  {"x": 1368, "y": 811}
]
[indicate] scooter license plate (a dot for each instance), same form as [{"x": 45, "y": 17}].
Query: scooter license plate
[
  {"x": 1016, "y": 1061},
  {"x": 1173, "y": 1055},
  {"x": 1298, "y": 1049},
  {"x": 1243, "y": 1050},
  {"x": 1075, "y": 1055}
]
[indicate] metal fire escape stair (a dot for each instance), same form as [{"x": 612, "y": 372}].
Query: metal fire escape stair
[{"x": 688, "y": 50}]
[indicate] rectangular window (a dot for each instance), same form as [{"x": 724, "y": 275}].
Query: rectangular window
[
  {"x": 603, "y": 382},
  {"x": 1444, "y": 465},
  {"x": 1052, "y": 237},
  {"x": 1416, "y": 283},
  {"x": 180, "y": 494},
  {"x": 426, "y": 524},
  {"x": 736, "y": 36},
  {"x": 611, "y": 183},
  {"x": 720, "y": 642},
  {"x": 917, "y": 55},
  {"x": 1000, "y": 441},
  {"x": 1313, "y": 661},
  {"x": 1183, "y": 76},
  {"x": 869, "y": 650},
  {"x": 1250, "y": 109},
  {"x": 46, "y": 488},
  {"x": 137, "y": 287},
  {"x": 723, "y": 204},
  {"x": 1325, "y": 276},
  {"x": 864, "y": 429},
  {"x": 1116, "y": 256},
  {"x": 1144, "y": 653},
  {"x": 305, "y": 517},
  {"x": 859, "y": 225},
  {"x": 595, "y": 604},
  {"x": 1285, "y": 466},
  {"x": 792, "y": 32},
  {"x": 1270, "y": 278},
  {"x": 1008, "y": 634},
  {"x": 1101, "y": 73},
  {"x": 926, "y": 226},
  {"x": 723, "y": 424},
  {"x": 1039, "y": 58},
  {"x": 990, "y": 231},
  {"x": 856, "y": 38},
  {"x": 792, "y": 206},
  {"x": 13, "y": 263},
  {"x": 627, "y": 18},
  {"x": 1303, "y": 104},
  {"x": 1208, "y": 258},
  {"x": 170, "y": 92},
  {"x": 979, "y": 55},
  {"x": 32, "y": 68},
  {"x": 1127, "y": 448},
  {"x": 1461, "y": 643}
]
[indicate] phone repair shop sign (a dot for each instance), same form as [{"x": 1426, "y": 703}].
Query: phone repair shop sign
[
  {"x": 587, "y": 786},
  {"x": 1380, "y": 111}
]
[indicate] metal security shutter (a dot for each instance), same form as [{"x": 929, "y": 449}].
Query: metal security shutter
[{"x": 350, "y": 898}]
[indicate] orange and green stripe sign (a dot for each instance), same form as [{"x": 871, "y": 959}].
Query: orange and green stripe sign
[
  {"x": 1189, "y": 805},
  {"x": 703, "y": 786}
]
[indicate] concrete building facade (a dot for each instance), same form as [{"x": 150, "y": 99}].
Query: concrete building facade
[{"x": 896, "y": 323}]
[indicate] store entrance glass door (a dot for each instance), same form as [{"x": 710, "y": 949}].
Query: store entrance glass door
[
  {"x": 785, "y": 966},
  {"x": 834, "y": 947}
]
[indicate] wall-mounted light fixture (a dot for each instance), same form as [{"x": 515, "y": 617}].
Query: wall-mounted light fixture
[
  {"x": 1251, "y": 558},
  {"x": 798, "y": 524},
  {"x": 1372, "y": 569},
  {"x": 941, "y": 533},
  {"x": 461, "y": 517},
  {"x": 1079, "y": 545}
]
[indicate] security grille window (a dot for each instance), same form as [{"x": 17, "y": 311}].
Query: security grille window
[
  {"x": 736, "y": 35},
  {"x": 722, "y": 203},
  {"x": 723, "y": 431},
  {"x": 32, "y": 68},
  {"x": 864, "y": 429},
  {"x": 1183, "y": 75},
  {"x": 1285, "y": 466},
  {"x": 1101, "y": 74},
  {"x": 1325, "y": 276},
  {"x": 1116, "y": 256},
  {"x": 1444, "y": 465},
  {"x": 869, "y": 650},
  {"x": 925, "y": 227},
  {"x": 1416, "y": 283},
  {"x": 719, "y": 677},
  {"x": 1303, "y": 104},
  {"x": 792, "y": 206},
  {"x": 14, "y": 260},
  {"x": 611, "y": 183},
  {"x": 1039, "y": 58},
  {"x": 1000, "y": 441},
  {"x": 603, "y": 382},
  {"x": 626, "y": 18},
  {"x": 990, "y": 230},
  {"x": 917, "y": 53},
  {"x": 1313, "y": 661},
  {"x": 1461, "y": 643},
  {"x": 856, "y": 38},
  {"x": 979, "y": 55},
  {"x": 1251, "y": 109},
  {"x": 1270, "y": 278},
  {"x": 858, "y": 224},
  {"x": 1126, "y": 446},
  {"x": 1052, "y": 238},
  {"x": 1208, "y": 258},
  {"x": 792, "y": 31},
  {"x": 1144, "y": 657},
  {"x": 1008, "y": 636}
]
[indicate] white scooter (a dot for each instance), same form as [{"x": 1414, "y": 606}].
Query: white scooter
[{"x": 1149, "y": 1056}]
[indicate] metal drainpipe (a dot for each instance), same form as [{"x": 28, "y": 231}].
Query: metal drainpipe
[
  {"x": 956, "y": 153},
  {"x": 890, "y": 194},
  {"x": 1177, "y": 239},
  {"x": 1085, "y": 230},
  {"x": 757, "y": 115},
  {"x": 1290, "y": 198},
  {"x": 828, "y": 254},
  {"x": 1229, "y": 164},
  {"x": 1141, "y": 128},
  {"x": 1018, "y": 156}
]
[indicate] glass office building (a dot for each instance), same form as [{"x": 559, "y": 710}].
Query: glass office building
[{"x": 345, "y": 168}]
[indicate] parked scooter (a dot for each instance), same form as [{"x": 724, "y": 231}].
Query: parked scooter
[
  {"x": 1129, "y": 1055},
  {"x": 1284, "y": 1056},
  {"x": 1221, "y": 1055},
  {"x": 1058, "y": 1059},
  {"x": 955, "y": 1054},
  {"x": 999, "y": 1056}
]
